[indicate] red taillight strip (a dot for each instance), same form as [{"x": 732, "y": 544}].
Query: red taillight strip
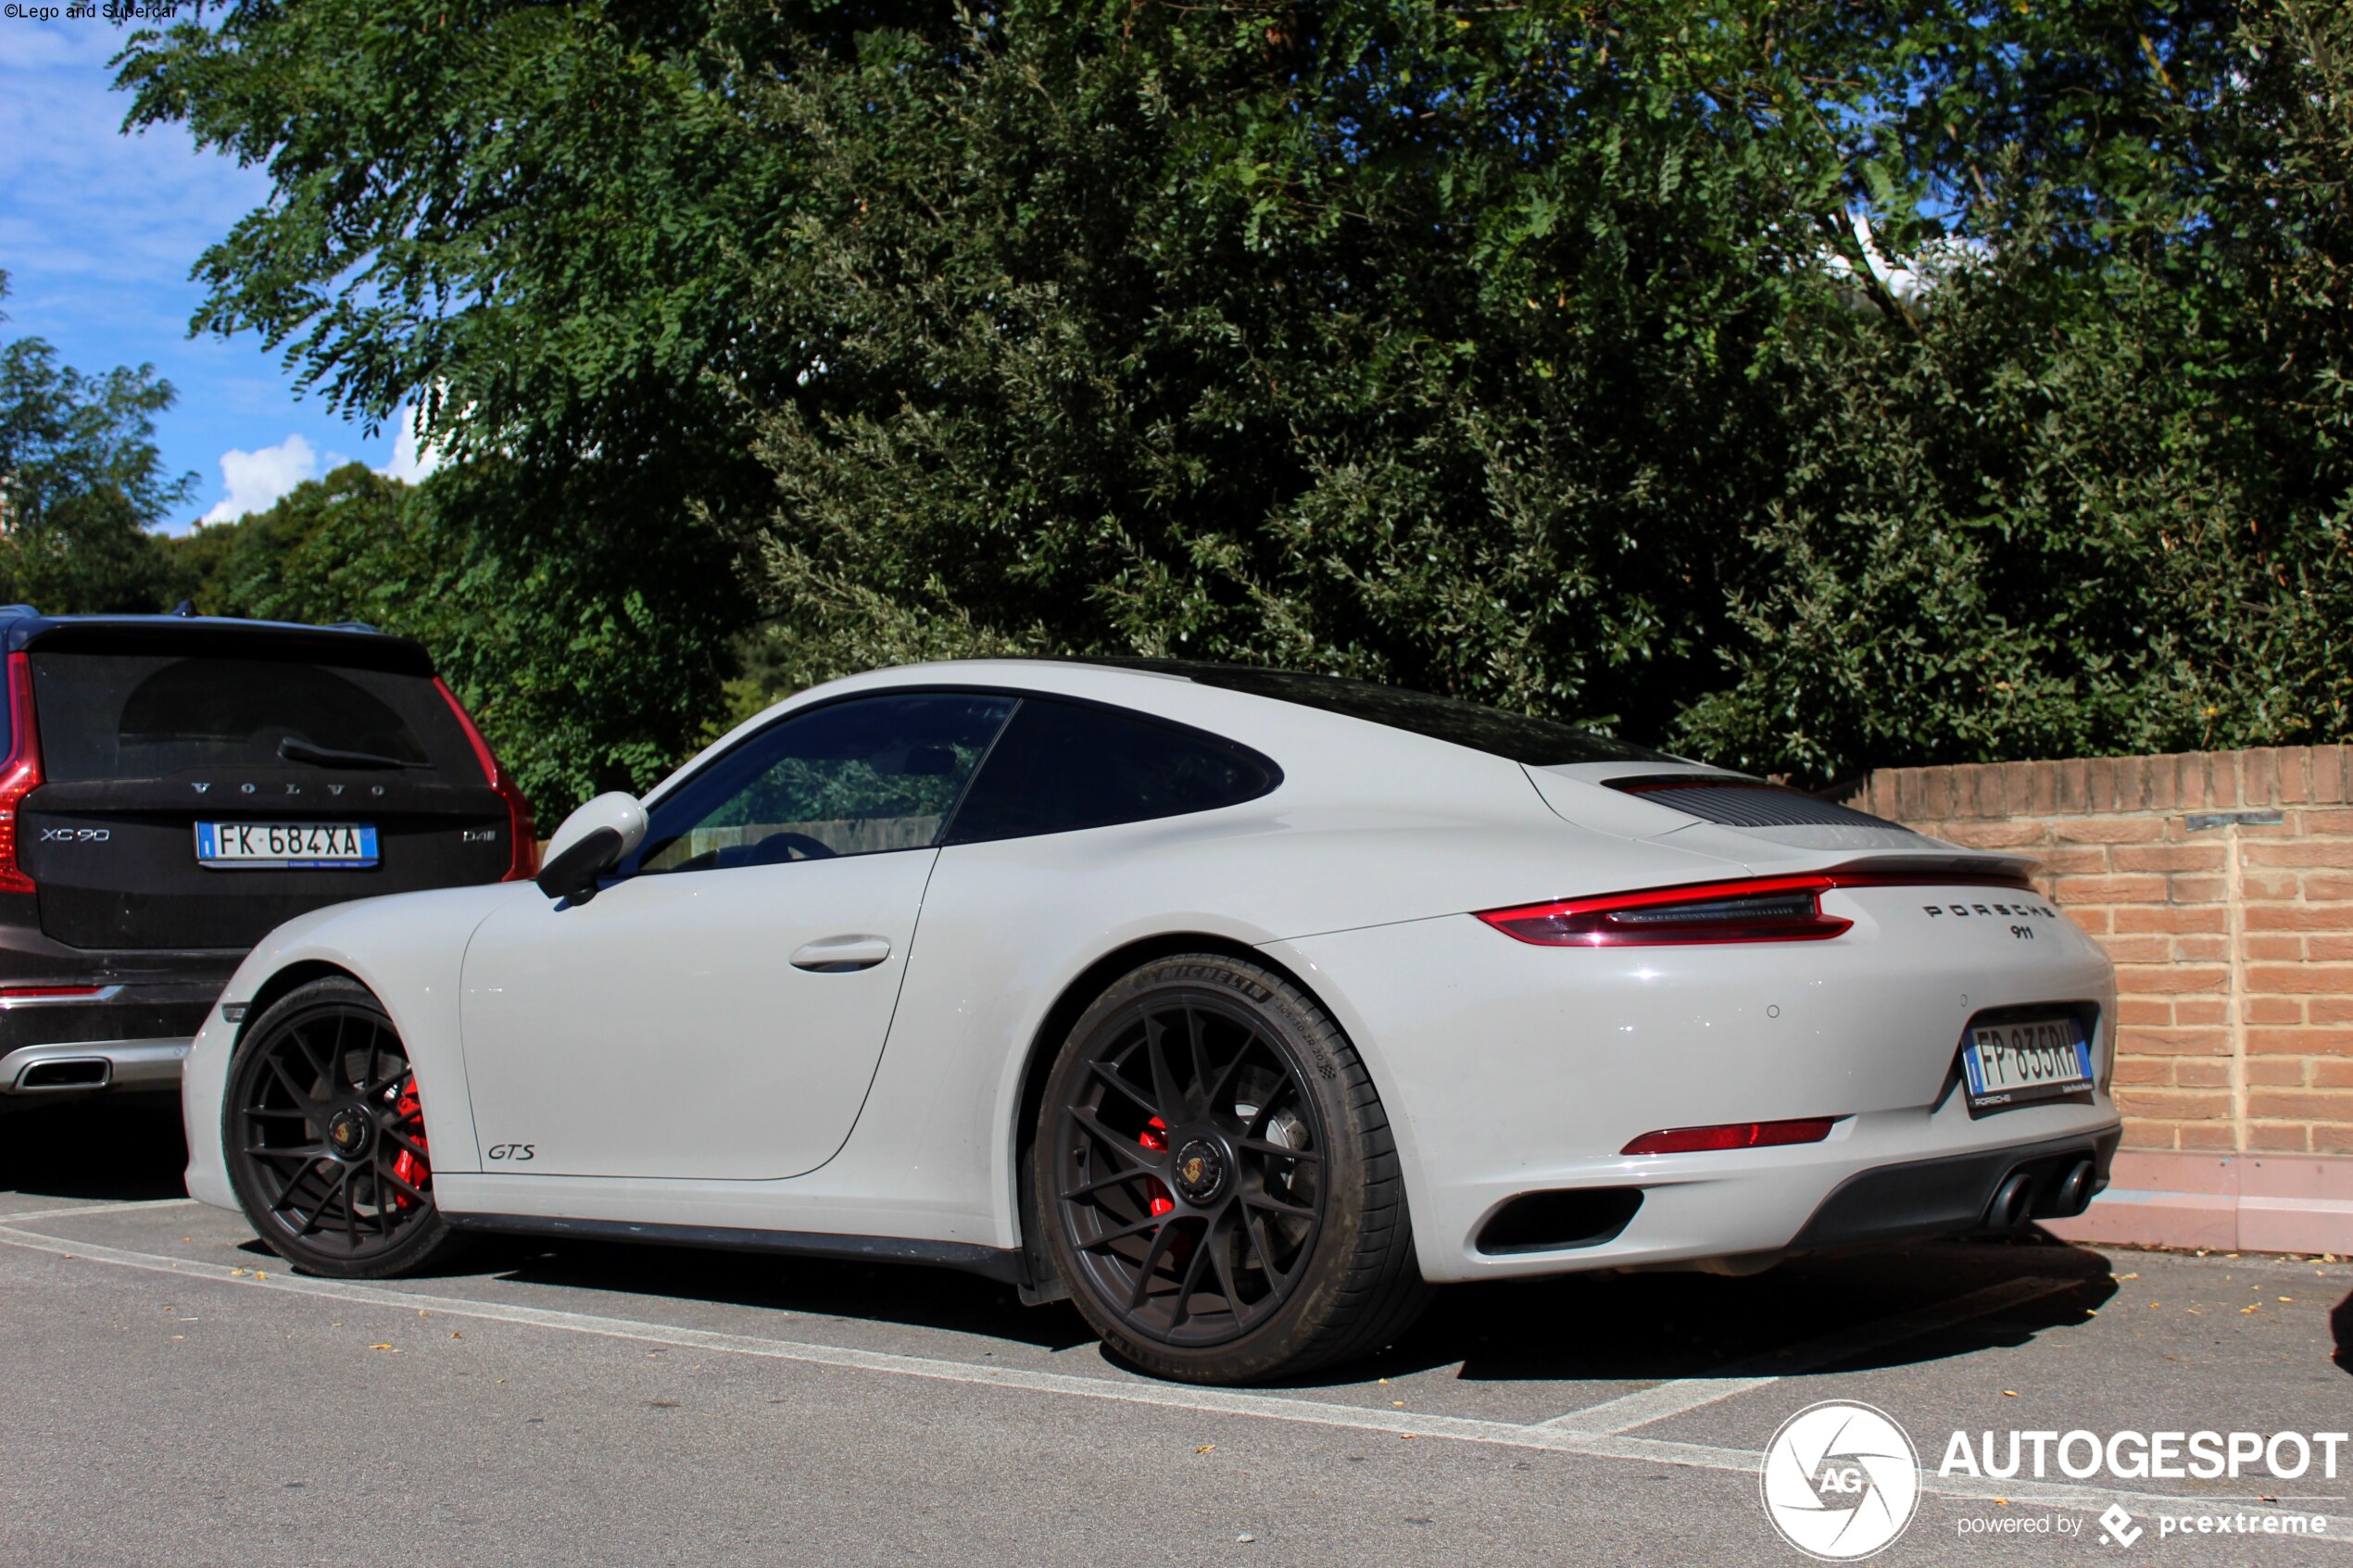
[
  {"x": 1732, "y": 1135},
  {"x": 20, "y": 774},
  {"x": 523, "y": 829},
  {"x": 1763, "y": 909}
]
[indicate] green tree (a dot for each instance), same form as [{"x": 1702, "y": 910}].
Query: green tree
[
  {"x": 575, "y": 693},
  {"x": 82, "y": 483},
  {"x": 1542, "y": 354},
  {"x": 528, "y": 222}
]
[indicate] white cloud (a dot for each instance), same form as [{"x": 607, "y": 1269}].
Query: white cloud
[
  {"x": 257, "y": 481},
  {"x": 411, "y": 461}
]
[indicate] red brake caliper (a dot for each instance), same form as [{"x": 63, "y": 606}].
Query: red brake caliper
[
  {"x": 1155, "y": 1137},
  {"x": 407, "y": 1167}
]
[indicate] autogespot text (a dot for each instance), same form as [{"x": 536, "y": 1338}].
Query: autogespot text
[{"x": 2144, "y": 1455}]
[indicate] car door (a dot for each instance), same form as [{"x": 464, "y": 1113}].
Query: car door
[{"x": 718, "y": 1009}]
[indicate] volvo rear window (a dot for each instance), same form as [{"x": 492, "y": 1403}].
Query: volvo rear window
[
  {"x": 1540, "y": 742},
  {"x": 117, "y": 716}
]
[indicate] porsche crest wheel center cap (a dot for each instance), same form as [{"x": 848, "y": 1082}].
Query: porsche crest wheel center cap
[
  {"x": 349, "y": 1132},
  {"x": 1201, "y": 1171}
]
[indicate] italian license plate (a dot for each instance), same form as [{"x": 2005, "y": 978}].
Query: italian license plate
[
  {"x": 2008, "y": 1065},
  {"x": 286, "y": 845}
]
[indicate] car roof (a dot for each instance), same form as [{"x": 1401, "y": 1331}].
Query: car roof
[
  {"x": 1229, "y": 690},
  {"x": 348, "y": 642}
]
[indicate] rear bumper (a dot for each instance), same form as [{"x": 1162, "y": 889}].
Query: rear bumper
[
  {"x": 132, "y": 1034},
  {"x": 1920, "y": 1198},
  {"x": 1511, "y": 1070},
  {"x": 79, "y": 1066}
]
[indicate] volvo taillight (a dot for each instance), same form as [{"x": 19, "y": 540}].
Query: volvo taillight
[
  {"x": 20, "y": 774},
  {"x": 522, "y": 830}
]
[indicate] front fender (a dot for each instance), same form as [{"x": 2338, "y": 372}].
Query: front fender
[{"x": 410, "y": 950}]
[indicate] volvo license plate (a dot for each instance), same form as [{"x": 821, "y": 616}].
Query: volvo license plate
[{"x": 286, "y": 845}]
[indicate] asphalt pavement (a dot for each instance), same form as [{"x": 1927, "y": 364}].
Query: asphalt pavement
[{"x": 173, "y": 1396}]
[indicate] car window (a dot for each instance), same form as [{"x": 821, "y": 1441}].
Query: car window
[
  {"x": 850, "y": 778},
  {"x": 1059, "y": 766},
  {"x": 111, "y": 716}
]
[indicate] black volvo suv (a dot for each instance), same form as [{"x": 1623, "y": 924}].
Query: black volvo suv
[{"x": 176, "y": 785}]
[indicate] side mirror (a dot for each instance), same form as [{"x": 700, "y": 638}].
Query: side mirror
[{"x": 592, "y": 841}]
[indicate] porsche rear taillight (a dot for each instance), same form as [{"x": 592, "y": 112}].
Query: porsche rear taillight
[
  {"x": 522, "y": 830},
  {"x": 1758, "y": 908},
  {"x": 1768, "y": 908},
  {"x": 20, "y": 774}
]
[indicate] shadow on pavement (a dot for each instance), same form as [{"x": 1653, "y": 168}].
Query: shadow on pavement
[
  {"x": 1571, "y": 1329},
  {"x": 1603, "y": 1327},
  {"x": 110, "y": 1148},
  {"x": 2341, "y": 1329},
  {"x": 927, "y": 1298}
]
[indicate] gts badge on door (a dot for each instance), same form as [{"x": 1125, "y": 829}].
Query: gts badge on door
[{"x": 515, "y": 1153}]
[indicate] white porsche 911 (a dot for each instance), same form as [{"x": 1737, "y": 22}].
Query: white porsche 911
[{"x": 1239, "y": 1006}]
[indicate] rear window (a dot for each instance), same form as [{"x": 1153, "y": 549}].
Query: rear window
[
  {"x": 1060, "y": 767},
  {"x": 115, "y": 716},
  {"x": 1539, "y": 742}
]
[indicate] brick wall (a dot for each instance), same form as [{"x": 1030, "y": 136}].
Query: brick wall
[{"x": 2221, "y": 882}]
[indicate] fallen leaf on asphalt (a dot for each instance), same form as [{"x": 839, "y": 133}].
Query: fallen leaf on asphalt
[
  {"x": 1245, "y": 1537},
  {"x": 2009, "y": 1393},
  {"x": 2288, "y": 1298},
  {"x": 2155, "y": 1305},
  {"x": 2001, "y": 1503},
  {"x": 1205, "y": 1448},
  {"x": 2128, "y": 1276},
  {"x": 455, "y": 1335},
  {"x": 236, "y": 1274},
  {"x": 378, "y": 1346},
  {"x": 2194, "y": 1312},
  {"x": 1405, "y": 1436},
  {"x": 2244, "y": 1310}
]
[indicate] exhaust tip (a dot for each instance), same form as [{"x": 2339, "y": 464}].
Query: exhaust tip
[
  {"x": 2013, "y": 1201},
  {"x": 2072, "y": 1193},
  {"x": 91, "y": 1073}
]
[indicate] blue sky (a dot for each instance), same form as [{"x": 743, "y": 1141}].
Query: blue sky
[{"x": 98, "y": 231}]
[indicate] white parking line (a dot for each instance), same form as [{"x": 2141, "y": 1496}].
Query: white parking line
[
  {"x": 1121, "y": 1389},
  {"x": 99, "y": 1209},
  {"x": 1647, "y": 1405}
]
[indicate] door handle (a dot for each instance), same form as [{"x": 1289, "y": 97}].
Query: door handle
[{"x": 841, "y": 954}]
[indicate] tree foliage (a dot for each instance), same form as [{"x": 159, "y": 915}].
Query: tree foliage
[
  {"x": 1554, "y": 355},
  {"x": 81, "y": 481},
  {"x": 576, "y": 692}
]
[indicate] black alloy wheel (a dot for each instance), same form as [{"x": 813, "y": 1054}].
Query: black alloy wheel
[
  {"x": 1222, "y": 1194},
  {"x": 326, "y": 1140}
]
